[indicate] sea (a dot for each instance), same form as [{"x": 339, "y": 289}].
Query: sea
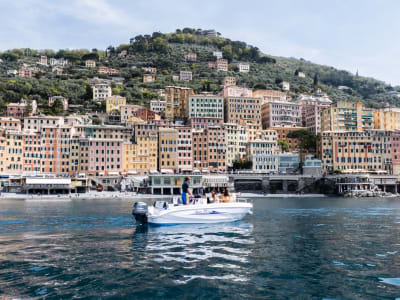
[{"x": 289, "y": 248}]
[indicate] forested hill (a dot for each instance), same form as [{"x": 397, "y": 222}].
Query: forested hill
[{"x": 166, "y": 53}]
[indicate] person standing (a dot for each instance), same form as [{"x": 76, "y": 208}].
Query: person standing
[{"x": 186, "y": 192}]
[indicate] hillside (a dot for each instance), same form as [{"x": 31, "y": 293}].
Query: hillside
[{"x": 165, "y": 52}]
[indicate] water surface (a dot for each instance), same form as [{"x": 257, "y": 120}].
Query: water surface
[{"x": 321, "y": 248}]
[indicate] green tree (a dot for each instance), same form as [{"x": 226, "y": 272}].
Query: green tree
[
  {"x": 58, "y": 107},
  {"x": 284, "y": 146},
  {"x": 307, "y": 140}
]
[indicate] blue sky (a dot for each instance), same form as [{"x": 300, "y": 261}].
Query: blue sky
[{"x": 350, "y": 35}]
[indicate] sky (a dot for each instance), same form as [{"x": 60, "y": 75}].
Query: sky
[{"x": 352, "y": 35}]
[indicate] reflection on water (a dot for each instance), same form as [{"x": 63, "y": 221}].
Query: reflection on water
[{"x": 323, "y": 248}]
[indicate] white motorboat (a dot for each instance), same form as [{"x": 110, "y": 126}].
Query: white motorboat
[{"x": 197, "y": 212}]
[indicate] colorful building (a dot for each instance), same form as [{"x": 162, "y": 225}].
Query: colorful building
[
  {"x": 176, "y": 99},
  {"x": 311, "y": 108},
  {"x": 262, "y": 152},
  {"x": 387, "y": 118},
  {"x": 243, "y": 110},
  {"x": 368, "y": 150},
  {"x": 167, "y": 149},
  {"x": 346, "y": 116},
  {"x": 113, "y": 103},
  {"x": 280, "y": 113}
]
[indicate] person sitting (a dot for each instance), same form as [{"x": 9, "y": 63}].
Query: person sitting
[
  {"x": 186, "y": 191},
  {"x": 226, "y": 196},
  {"x": 213, "y": 196}
]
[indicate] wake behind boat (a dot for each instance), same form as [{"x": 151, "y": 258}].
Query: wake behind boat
[{"x": 197, "y": 212}]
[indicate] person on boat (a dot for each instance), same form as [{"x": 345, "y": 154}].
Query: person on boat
[
  {"x": 213, "y": 196},
  {"x": 186, "y": 192},
  {"x": 226, "y": 197}
]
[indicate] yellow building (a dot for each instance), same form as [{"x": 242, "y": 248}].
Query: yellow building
[
  {"x": 13, "y": 152},
  {"x": 359, "y": 150},
  {"x": 141, "y": 158},
  {"x": 387, "y": 118},
  {"x": 176, "y": 99},
  {"x": 346, "y": 116},
  {"x": 114, "y": 103},
  {"x": 167, "y": 149},
  {"x": 237, "y": 137}
]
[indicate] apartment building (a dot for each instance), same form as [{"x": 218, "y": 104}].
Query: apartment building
[
  {"x": 244, "y": 68},
  {"x": 346, "y": 116},
  {"x": 270, "y": 95},
  {"x": 32, "y": 154},
  {"x": 176, "y": 99},
  {"x": 184, "y": 147},
  {"x": 35, "y": 123},
  {"x": 101, "y": 91},
  {"x": 243, "y": 110},
  {"x": 157, "y": 106},
  {"x": 311, "y": 108},
  {"x": 167, "y": 149},
  {"x": 206, "y": 106},
  {"x": 262, "y": 152},
  {"x": 209, "y": 149},
  {"x": 128, "y": 111},
  {"x": 185, "y": 75},
  {"x": 236, "y": 142},
  {"x": 141, "y": 157},
  {"x": 56, "y": 148},
  {"x": 24, "y": 73},
  {"x": 10, "y": 123},
  {"x": 22, "y": 108},
  {"x": 280, "y": 113},
  {"x": 387, "y": 118},
  {"x": 237, "y": 91},
  {"x": 108, "y": 71},
  {"x": 229, "y": 81},
  {"x": 220, "y": 64},
  {"x": 356, "y": 150},
  {"x": 12, "y": 159},
  {"x": 114, "y": 103}
]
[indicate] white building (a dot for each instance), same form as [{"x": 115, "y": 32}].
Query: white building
[
  {"x": 262, "y": 152},
  {"x": 244, "y": 68},
  {"x": 285, "y": 86},
  {"x": 58, "y": 62},
  {"x": 206, "y": 106},
  {"x": 301, "y": 74},
  {"x": 101, "y": 91},
  {"x": 157, "y": 105},
  {"x": 185, "y": 75},
  {"x": 90, "y": 63},
  {"x": 217, "y": 54}
]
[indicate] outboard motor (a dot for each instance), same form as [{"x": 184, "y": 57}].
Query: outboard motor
[{"x": 140, "y": 212}]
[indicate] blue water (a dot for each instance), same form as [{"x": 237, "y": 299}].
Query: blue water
[{"x": 318, "y": 248}]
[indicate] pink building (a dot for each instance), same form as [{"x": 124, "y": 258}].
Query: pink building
[
  {"x": 105, "y": 156},
  {"x": 10, "y": 123},
  {"x": 209, "y": 149},
  {"x": 185, "y": 162},
  {"x": 237, "y": 91},
  {"x": 395, "y": 142},
  {"x": 191, "y": 57},
  {"x": 56, "y": 149},
  {"x": 24, "y": 73},
  {"x": 106, "y": 70},
  {"x": 32, "y": 155},
  {"x": 311, "y": 108},
  {"x": 129, "y": 110},
  {"x": 220, "y": 64},
  {"x": 205, "y": 122},
  {"x": 17, "y": 110}
]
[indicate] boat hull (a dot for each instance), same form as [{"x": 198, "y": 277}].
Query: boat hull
[{"x": 200, "y": 214}]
